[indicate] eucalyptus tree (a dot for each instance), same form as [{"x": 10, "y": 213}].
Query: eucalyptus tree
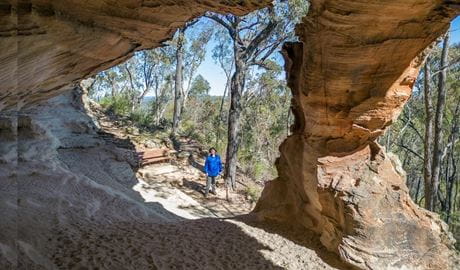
[
  {"x": 199, "y": 87},
  {"x": 438, "y": 122},
  {"x": 107, "y": 82},
  {"x": 162, "y": 81},
  {"x": 223, "y": 56},
  {"x": 190, "y": 53},
  {"x": 265, "y": 103},
  {"x": 255, "y": 38},
  {"x": 194, "y": 57},
  {"x": 147, "y": 72}
]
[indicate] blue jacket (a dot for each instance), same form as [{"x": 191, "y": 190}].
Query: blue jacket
[{"x": 213, "y": 165}]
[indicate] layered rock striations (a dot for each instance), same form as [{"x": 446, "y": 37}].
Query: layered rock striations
[
  {"x": 351, "y": 74},
  {"x": 350, "y": 78},
  {"x": 45, "y": 45}
]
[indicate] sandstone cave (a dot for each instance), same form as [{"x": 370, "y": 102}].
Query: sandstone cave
[{"x": 339, "y": 201}]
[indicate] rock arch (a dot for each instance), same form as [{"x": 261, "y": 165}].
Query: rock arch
[{"x": 350, "y": 77}]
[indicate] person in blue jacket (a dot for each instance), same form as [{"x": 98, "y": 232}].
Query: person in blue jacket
[{"x": 212, "y": 168}]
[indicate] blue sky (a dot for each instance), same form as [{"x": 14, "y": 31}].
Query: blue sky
[
  {"x": 216, "y": 77},
  {"x": 212, "y": 72},
  {"x": 455, "y": 30}
]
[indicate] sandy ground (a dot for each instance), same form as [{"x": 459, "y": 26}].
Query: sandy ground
[
  {"x": 204, "y": 241},
  {"x": 180, "y": 190},
  {"x": 73, "y": 201},
  {"x": 196, "y": 244}
]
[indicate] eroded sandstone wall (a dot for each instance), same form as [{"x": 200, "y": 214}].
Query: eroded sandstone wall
[
  {"x": 350, "y": 77},
  {"x": 58, "y": 178},
  {"x": 47, "y": 44}
]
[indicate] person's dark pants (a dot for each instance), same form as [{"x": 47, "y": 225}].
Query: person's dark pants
[{"x": 210, "y": 183}]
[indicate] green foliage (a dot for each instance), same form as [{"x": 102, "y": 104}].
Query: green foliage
[
  {"x": 141, "y": 117},
  {"x": 259, "y": 170},
  {"x": 118, "y": 104},
  {"x": 253, "y": 192},
  {"x": 266, "y": 99},
  {"x": 200, "y": 87}
]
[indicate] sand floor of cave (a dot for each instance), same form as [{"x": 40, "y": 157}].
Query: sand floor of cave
[
  {"x": 208, "y": 233},
  {"x": 208, "y": 237}
]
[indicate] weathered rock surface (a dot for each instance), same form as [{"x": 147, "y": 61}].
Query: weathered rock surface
[
  {"x": 350, "y": 78},
  {"x": 58, "y": 175},
  {"x": 45, "y": 45}
]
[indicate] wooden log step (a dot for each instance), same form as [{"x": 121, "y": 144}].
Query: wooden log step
[
  {"x": 154, "y": 160},
  {"x": 154, "y": 153}
]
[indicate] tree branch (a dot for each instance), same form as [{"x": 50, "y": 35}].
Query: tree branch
[
  {"x": 410, "y": 150},
  {"x": 448, "y": 66},
  {"x": 220, "y": 21},
  {"x": 259, "y": 38},
  {"x": 274, "y": 46},
  {"x": 261, "y": 64}
]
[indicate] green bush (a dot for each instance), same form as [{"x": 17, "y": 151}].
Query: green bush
[
  {"x": 255, "y": 169},
  {"x": 259, "y": 170},
  {"x": 119, "y": 105},
  {"x": 141, "y": 118},
  {"x": 188, "y": 127},
  {"x": 253, "y": 192}
]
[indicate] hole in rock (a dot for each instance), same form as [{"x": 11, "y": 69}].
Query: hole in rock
[{"x": 218, "y": 81}]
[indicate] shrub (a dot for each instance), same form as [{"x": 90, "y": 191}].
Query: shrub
[
  {"x": 119, "y": 105},
  {"x": 253, "y": 192},
  {"x": 259, "y": 170},
  {"x": 141, "y": 117}
]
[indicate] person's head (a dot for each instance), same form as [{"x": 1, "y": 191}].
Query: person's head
[{"x": 212, "y": 151}]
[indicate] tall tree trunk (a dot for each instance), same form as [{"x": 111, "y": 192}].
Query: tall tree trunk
[
  {"x": 178, "y": 81},
  {"x": 455, "y": 201},
  {"x": 441, "y": 101},
  {"x": 388, "y": 139},
  {"x": 113, "y": 90},
  {"x": 162, "y": 100},
  {"x": 236, "y": 90},
  {"x": 288, "y": 125},
  {"x": 417, "y": 189},
  {"x": 451, "y": 177},
  {"x": 187, "y": 91},
  {"x": 155, "y": 105},
  {"x": 221, "y": 110},
  {"x": 133, "y": 104},
  {"x": 427, "y": 173}
]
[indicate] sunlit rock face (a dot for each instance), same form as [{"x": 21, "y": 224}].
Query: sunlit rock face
[
  {"x": 46, "y": 44},
  {"x": 350, "y": 77}
]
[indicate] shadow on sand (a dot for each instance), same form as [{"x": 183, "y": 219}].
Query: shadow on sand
[{"x": 159, "y": 239}]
